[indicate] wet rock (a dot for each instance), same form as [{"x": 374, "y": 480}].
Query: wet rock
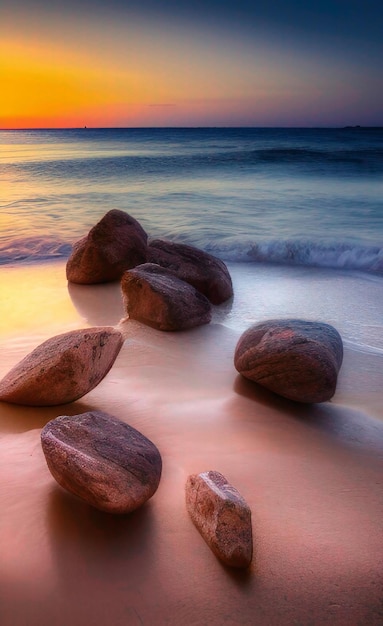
[
  {"x": 205, "y": 272},
  {"x": 222, "y": 516},
  {"x": 296, "y": 359},
  {"x": 63, "y": 368},
  {"x": 117, "y": 243},
  {"x": 155, "y": 296},
  {"x": 102, "y": 460}
]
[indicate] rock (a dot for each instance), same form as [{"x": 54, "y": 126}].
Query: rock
[
  {"x": 102, "y": 460},
  {"x": 117, "y": 243},
  {"x": 155, "y": 296},
  {"x": 63, "y": 368},
  {"x": 296, "y": 359},
  {"x": 222, "y": 517},
  {"x": 205, "y": 272}
]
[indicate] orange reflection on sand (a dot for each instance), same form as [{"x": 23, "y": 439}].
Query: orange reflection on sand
[{"x": 35, "y": 298}]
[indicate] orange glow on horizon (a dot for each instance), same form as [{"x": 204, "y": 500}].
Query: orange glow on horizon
[
  {"x": 126, "y": 81},
  {"x": 47, "y": 87}
]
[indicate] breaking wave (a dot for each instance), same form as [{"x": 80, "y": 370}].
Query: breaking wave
[
  {"x": 335, "y": 255},
  {"x": 307, "y": 253}
]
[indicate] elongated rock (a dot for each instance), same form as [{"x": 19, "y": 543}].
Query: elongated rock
[
  {"x": 202, "y": 270},
  {"x": 296, "y": 359},
  {"x": 155, "y": 296},
  {"x": 222, "y": 516},
  {"x": 63, "y": 368},
  {"x": 102, "y": 460},
  {"x": 116, "y": 243}
]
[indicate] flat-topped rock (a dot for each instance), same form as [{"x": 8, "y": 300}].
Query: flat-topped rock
[
  {"x": 222, "y": 517},
  {"x": 102, "y": 460},
  {"x": 296, "y": 359},
  {"x": 63, "y": 368},
  {"x": 116, "y": 243},
  {"x": 155, "y": 296},
  {"x": 202, "y": 270}
]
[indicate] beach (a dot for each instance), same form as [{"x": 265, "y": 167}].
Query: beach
[{"x": 310, "y": 473}]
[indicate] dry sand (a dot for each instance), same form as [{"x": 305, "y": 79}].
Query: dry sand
[{"x": 312, "y": 476}]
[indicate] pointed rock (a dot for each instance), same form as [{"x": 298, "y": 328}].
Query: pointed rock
[
  {"x": 296, "y": 359},
  {"x": 204, "y": 271},
  {"x": 102, "y": 460},
  {"x": 222, "y": 516},
  {"x": 63, "y": 368},
  {"x": 155, "y": 296},
  {"x": 115, "y": 244}
]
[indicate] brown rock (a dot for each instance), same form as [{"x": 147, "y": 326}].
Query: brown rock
[
  {"x": 296, "y": 359},
  {"x": 222, "y": 516},
  {"x": 155, "y": 296},
  {"x": 63, "y": 368},
  {"x": 102, "y": 460},
  {"x": 202, "y": 270},
  {"x": 115, "y": 244}
]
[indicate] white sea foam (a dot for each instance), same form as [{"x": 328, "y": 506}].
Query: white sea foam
[
  {"x": 307, "y": 253},
  {"x": 282, "y": 252}
]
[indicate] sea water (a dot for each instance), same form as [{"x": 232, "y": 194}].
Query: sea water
[
  {"x": 303, "y": 204},
  {"x": 297, "y": 196}
]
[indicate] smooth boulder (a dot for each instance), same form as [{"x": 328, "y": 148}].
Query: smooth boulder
[
  {"x": 102, "y": 460},
  {"x": 222, "y": 517},
  {"x": 296, "y": 359},
  {"x": 116, "y": 243},
  {"x": 205, "y": 272},
  {"x": 155, "y": 296},
  {"x": 63, "y": 368}
]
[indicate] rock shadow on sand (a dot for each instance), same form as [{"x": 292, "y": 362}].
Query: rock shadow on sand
[
  {"x": 103, "y": 561},
  {"x": 343, "y": 424},
  {"x": 17, "y": 418}
]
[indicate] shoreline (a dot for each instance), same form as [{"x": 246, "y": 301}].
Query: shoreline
[{"x": 310, "y": 473}]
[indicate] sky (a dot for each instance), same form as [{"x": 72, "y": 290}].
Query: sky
[{"x": 114, "y": 63}]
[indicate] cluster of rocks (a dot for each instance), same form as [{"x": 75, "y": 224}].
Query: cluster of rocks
[
  {"x": 116, "y": 469},
  {"x": 170, "y": 286},
  {"x": 167, "y": 285}
]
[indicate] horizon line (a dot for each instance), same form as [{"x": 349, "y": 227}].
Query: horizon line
[{"x": 324, "y": 127}]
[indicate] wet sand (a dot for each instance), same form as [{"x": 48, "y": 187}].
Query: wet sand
[{"x": 312, "y": 476}]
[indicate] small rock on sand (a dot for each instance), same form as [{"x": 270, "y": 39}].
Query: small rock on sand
[
  {"x": 104, "y": 461},
  {"x": 204, "y": 271},
  {"x": 116, "y": 243},
  {"x": 63, "y": 368},
  {"x": 296, "y": 359},
  {"x": 222, "y": 516},
  {"x": 155, "y": 296}
]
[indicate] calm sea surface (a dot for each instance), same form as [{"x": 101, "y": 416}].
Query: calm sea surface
[{"x": 290, "y": 196}]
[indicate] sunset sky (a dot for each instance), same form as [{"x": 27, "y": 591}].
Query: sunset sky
[{"x": 70, "y": 63}]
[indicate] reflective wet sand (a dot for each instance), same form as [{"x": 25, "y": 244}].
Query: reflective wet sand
[{"x": 312, "y": 476}]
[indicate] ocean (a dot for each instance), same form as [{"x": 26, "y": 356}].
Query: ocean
[
  {"x": 297, "y": 215},
  {"x": 309, "y": 197}
]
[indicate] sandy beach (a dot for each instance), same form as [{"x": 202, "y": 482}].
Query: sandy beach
[{"x": 312, "y": 476}]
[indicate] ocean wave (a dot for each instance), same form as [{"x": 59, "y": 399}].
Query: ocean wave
[
  {"x": 33, "y": 249},
  {"x": 292, "y": 252},
  {"x": 337, "y": 255}
]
